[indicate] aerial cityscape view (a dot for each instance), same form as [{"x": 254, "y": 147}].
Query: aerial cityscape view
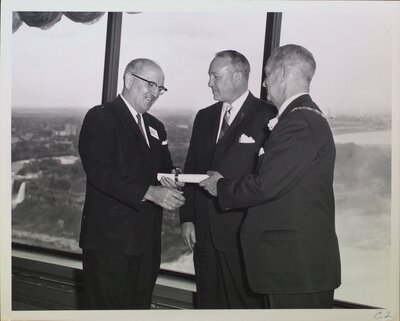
[{"x": 49, "y": 181}]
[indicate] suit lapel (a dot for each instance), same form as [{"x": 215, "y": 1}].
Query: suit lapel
[
  {"x": 241, "y": 115},
  {"x": 303, "y": 100},
  {"x": 127, "y": 119},
  {"x": 209, "y": 134},
  {"x": 131, "y": 125},
  {"x": 214, "y": 120}
]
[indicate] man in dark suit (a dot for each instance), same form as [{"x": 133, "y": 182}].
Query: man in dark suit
[
  {"x": 122, "y": 148},
  {"x": 229, "y": 145},
  {"x": 288, "y": 236}
]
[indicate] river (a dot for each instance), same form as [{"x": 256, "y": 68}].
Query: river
[
  {"x": 16, "y": 166},
  {"x": 378, "y": 137}
]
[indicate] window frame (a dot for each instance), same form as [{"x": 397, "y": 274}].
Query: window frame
[{"x": 109, "y": 92}]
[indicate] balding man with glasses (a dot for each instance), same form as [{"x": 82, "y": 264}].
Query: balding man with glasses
[{"x": 122, "y": 149}]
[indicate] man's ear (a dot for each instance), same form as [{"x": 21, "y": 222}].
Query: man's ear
[
  {"x": 128, "y": 80},
  {"x": 237, "y": 77},
  {"x": 282, "y": 73}
]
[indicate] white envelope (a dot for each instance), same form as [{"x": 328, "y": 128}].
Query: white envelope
[
  {"x": 261, "y": 151},
  {"x": 244, "y": 139},
  {"x": 153, "y": 132}
]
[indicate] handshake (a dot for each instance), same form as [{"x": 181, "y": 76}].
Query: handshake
[{"x": 169, "y": 194}]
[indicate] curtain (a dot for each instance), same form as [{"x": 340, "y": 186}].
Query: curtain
[{"x": 45, "y": 20}]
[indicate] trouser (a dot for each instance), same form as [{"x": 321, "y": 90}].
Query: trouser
[
  {"x": 221, "y": 280},
  {"x": 316, "y": 300},
  {"x": 114, "y": 281}
]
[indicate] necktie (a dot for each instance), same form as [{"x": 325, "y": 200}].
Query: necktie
[
  {"x": 225, "y": 121},
  {"x": 139, "y": 118}
]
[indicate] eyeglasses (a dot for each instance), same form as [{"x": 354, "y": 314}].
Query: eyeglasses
[{"x": 152, "y": 85}]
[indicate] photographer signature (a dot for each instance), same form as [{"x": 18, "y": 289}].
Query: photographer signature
[{"x": 383, "y": 315}]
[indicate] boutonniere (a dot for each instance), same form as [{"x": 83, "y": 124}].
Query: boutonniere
[{"x": 272, "y": 122}]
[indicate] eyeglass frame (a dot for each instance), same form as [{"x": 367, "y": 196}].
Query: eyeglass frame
[{"x": 152, "y": 85}]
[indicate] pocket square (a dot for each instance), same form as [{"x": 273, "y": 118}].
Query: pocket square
[
  {"x": 153, "y": 133},
  {"x": 261, "y": 151},
  {"x": 164, "y": 142},
  {"x": 244, "y": 139}
]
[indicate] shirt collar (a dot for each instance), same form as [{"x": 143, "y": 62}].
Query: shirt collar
[
  {"x": 131, "y": 109},
  {"x": 236, "y": 105},
  {"x": 288, "y": 101}
]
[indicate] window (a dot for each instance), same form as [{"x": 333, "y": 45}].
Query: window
[
  {"x": 184, "y": 45},
  {"x": 53, "y": 89},
  {"x": 57, "y": 76},
  {"x": 352, "y": 84}
]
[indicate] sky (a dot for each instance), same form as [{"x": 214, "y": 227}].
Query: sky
[{"x": 63, "y": 66}]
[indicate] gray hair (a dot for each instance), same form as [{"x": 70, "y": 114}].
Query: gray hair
[
  {"x": 296, "y": 59},
  {"x": 239, "y": 61}
]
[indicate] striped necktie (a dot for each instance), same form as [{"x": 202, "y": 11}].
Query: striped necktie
[{"x": 225, "y": 121}]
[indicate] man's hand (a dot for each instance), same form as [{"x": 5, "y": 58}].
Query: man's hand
[
  {"x": 188, "y": 234},
  {"x": 166, "y": 197},
  {"x": 167, "y": 182},
  {"x": 210, "y": 184}
]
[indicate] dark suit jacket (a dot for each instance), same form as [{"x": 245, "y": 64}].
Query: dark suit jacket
[
  {"x": 120, "y": 167},
  {"x": 288, "y": 236},
  {"x": 229, "y": 157}
]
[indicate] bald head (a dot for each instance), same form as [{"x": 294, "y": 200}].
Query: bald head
[
  {"x": 139, "y": 74},
  {"x": 139, "y": 64}
]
